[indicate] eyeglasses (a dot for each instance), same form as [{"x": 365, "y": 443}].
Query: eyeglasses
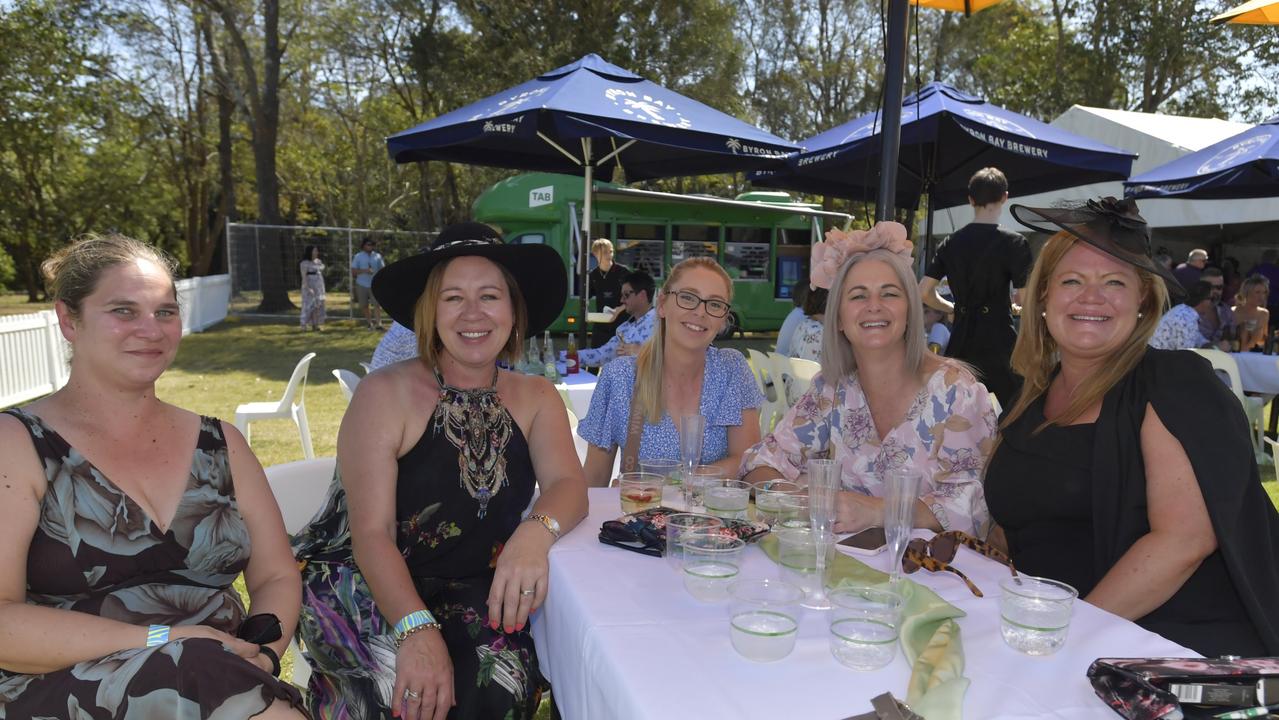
[
  {"x": 690, "y": 301},
  {"x": 936, "y": 553}
]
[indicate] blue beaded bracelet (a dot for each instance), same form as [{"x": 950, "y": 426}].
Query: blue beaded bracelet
[{"x": 157, "y": 635}]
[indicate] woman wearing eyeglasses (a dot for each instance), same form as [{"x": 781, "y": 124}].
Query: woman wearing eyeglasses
[
  {"x": 882, "y": 400},
  {"x": 677, "y": 373},
  {"x": 1124, "y": 470}
]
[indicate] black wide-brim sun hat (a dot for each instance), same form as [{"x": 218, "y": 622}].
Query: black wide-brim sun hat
[
  {"x": 538, "y": 271},
  {"x": 1110, "y": 225}
]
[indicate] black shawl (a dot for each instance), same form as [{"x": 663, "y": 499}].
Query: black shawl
[{"x": 1206, "y": 418}]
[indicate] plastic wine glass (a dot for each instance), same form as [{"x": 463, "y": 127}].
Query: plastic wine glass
[
  {"x": 691, "y": 430},
  {"x": 901, "y": 489},
  {"x": 823, "y": 483}
]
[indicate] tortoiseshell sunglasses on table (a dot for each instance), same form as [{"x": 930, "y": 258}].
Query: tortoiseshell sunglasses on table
[{"x": 936, "y": 553}]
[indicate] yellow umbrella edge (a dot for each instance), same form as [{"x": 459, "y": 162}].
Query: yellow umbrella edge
[{"x": 1254, "y": 12}]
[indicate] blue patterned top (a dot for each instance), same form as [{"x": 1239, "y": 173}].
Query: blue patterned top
[
  {"x": 635, "y": 331},
  {"x": 399, "y": 343},
  {"x": 728, "y": 388}
]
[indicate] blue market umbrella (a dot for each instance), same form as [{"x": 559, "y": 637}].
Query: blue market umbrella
[
  {"x": 589, "y": 118},
  {"x": 946, "y": 136},
  {"x": 1243, "y": 166}
]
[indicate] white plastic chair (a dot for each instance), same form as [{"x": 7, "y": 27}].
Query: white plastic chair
[
  {"x": 1253, "y": 407},
  {"x": 368, "y": 368},
  {"x": 1274, "y": 451},
  {"x": 782, "y": 378},
  {"x": 284, "y": 408},
  {"x": 300, "y": 489},
  {"x": 347, "y": 380},
  {"x": 774, "y": 401},
  {"x": 802, "y": 372}
]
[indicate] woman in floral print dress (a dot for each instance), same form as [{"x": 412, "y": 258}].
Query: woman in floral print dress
[
  {"x": 882, "y": 401},
  {"x": 125, "y": 521},
  {"x": 421, "y": 572}
]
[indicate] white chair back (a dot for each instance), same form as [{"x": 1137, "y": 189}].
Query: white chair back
[
  {"x": 368, "y": 368},
  {"x": 774, "y": 399},
  {"x": 1223, "y": 363},
  {"x": 300, "y": 488},
  {"x": 297, "y": 382},
  {"x": 802, "y": 373},
  {"x": 347, "y": 380},
  {"x": 783, "y": 376},
  {"x": 285, "y": 407},
  {"x": 1253, "y": 407}
]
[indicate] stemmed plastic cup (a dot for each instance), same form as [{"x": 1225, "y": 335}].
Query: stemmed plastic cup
[
  {"x": 901, "y": 489},
  {"x": 823, "y": 484}
]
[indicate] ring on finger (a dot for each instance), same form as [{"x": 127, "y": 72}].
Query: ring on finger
[
  {"x": 410, "y": 694},
  {"x": 526, "y": 593}
]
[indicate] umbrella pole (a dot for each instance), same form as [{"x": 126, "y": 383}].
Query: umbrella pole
[
  {"x": 586, "y": 237},
  {"x": 894, "y": 73}
]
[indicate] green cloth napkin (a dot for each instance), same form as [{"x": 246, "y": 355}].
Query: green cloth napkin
[{"x": 929, "y": 635}]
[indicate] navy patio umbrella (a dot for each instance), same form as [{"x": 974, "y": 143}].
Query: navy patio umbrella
[
  {"x": 946, "y": 136},
  {"x": 588, "y": 118},
  {"x": 1239, "y": 167}
]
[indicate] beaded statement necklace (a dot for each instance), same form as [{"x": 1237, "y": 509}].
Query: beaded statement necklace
[{"x": 477, "y": 424}]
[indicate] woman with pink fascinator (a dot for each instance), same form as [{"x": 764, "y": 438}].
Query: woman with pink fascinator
[{"x": 882, "y": 401}]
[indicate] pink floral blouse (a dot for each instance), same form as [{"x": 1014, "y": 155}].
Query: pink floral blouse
[{"x": 947, "y": 434}]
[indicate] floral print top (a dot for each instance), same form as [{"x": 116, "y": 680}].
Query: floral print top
[{"x": 947, "y": 434}]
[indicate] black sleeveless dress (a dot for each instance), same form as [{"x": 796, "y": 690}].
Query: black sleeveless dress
[
  {"x": 454, "y": 510},
  {"x": 96, "y": 551},
  {"x": 981, "y": 261},
  {"x": 1071, "y": 501}
]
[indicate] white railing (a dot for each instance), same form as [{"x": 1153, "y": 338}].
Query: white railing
[
  {"x": 204, "y": 301},
  {"x": 34, "y": 357}
]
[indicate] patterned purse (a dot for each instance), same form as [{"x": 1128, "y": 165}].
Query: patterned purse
[
  {"x": 1148, "y": 688},
  {"x": 645, "y": 531}
]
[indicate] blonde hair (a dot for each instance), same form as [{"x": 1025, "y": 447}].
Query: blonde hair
[
  {"x": 648, "y": 365},
  {"x": 601, "y": 244},
  {"x": 837, "y": 353},
  {"x": 72, "y": 273},
  {"x": 1251, "y": 282},
  {"x": 1035, "y": 355},
  {"x": 424, "y": 317}
]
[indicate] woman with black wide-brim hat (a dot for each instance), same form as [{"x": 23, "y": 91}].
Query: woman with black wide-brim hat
[
  {"x": 1126, "y": 471},
  {"x": 420, "y": 571}
]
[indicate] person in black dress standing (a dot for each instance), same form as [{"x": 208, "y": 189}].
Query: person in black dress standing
[
  {"x": 1124, "y": 470},
  {"x": 606, "y": 288},
  {"x": 982, "y": 260}
]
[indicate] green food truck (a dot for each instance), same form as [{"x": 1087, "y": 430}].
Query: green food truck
[{"x": 762, "y": 239}]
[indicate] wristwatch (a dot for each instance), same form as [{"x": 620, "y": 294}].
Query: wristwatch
[{"x": 551, "y": 524}]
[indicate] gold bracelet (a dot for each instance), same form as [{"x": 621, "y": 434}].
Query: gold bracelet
[{"x": 416, "y": 628}]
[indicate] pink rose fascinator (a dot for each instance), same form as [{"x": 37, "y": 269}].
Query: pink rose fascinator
[{"x": 828, "y": 256}]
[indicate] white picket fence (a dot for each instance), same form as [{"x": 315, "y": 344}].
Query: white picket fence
[{"x": 34, "y": 357}]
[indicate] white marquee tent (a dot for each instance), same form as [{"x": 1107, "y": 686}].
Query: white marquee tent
[{"x": 1157, "y": 139}]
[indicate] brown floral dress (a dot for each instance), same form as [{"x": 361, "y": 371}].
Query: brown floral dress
[{"x": 96, "y": 551}]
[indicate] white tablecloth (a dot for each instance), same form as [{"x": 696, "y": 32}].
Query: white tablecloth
[
  {"x": 619, "y": 638},
  {"x": 1258, "y": 373},
  {"x": 580, "y": 387}
]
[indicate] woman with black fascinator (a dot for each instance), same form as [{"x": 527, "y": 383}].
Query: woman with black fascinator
[{"x": 1123, "y": 470}]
